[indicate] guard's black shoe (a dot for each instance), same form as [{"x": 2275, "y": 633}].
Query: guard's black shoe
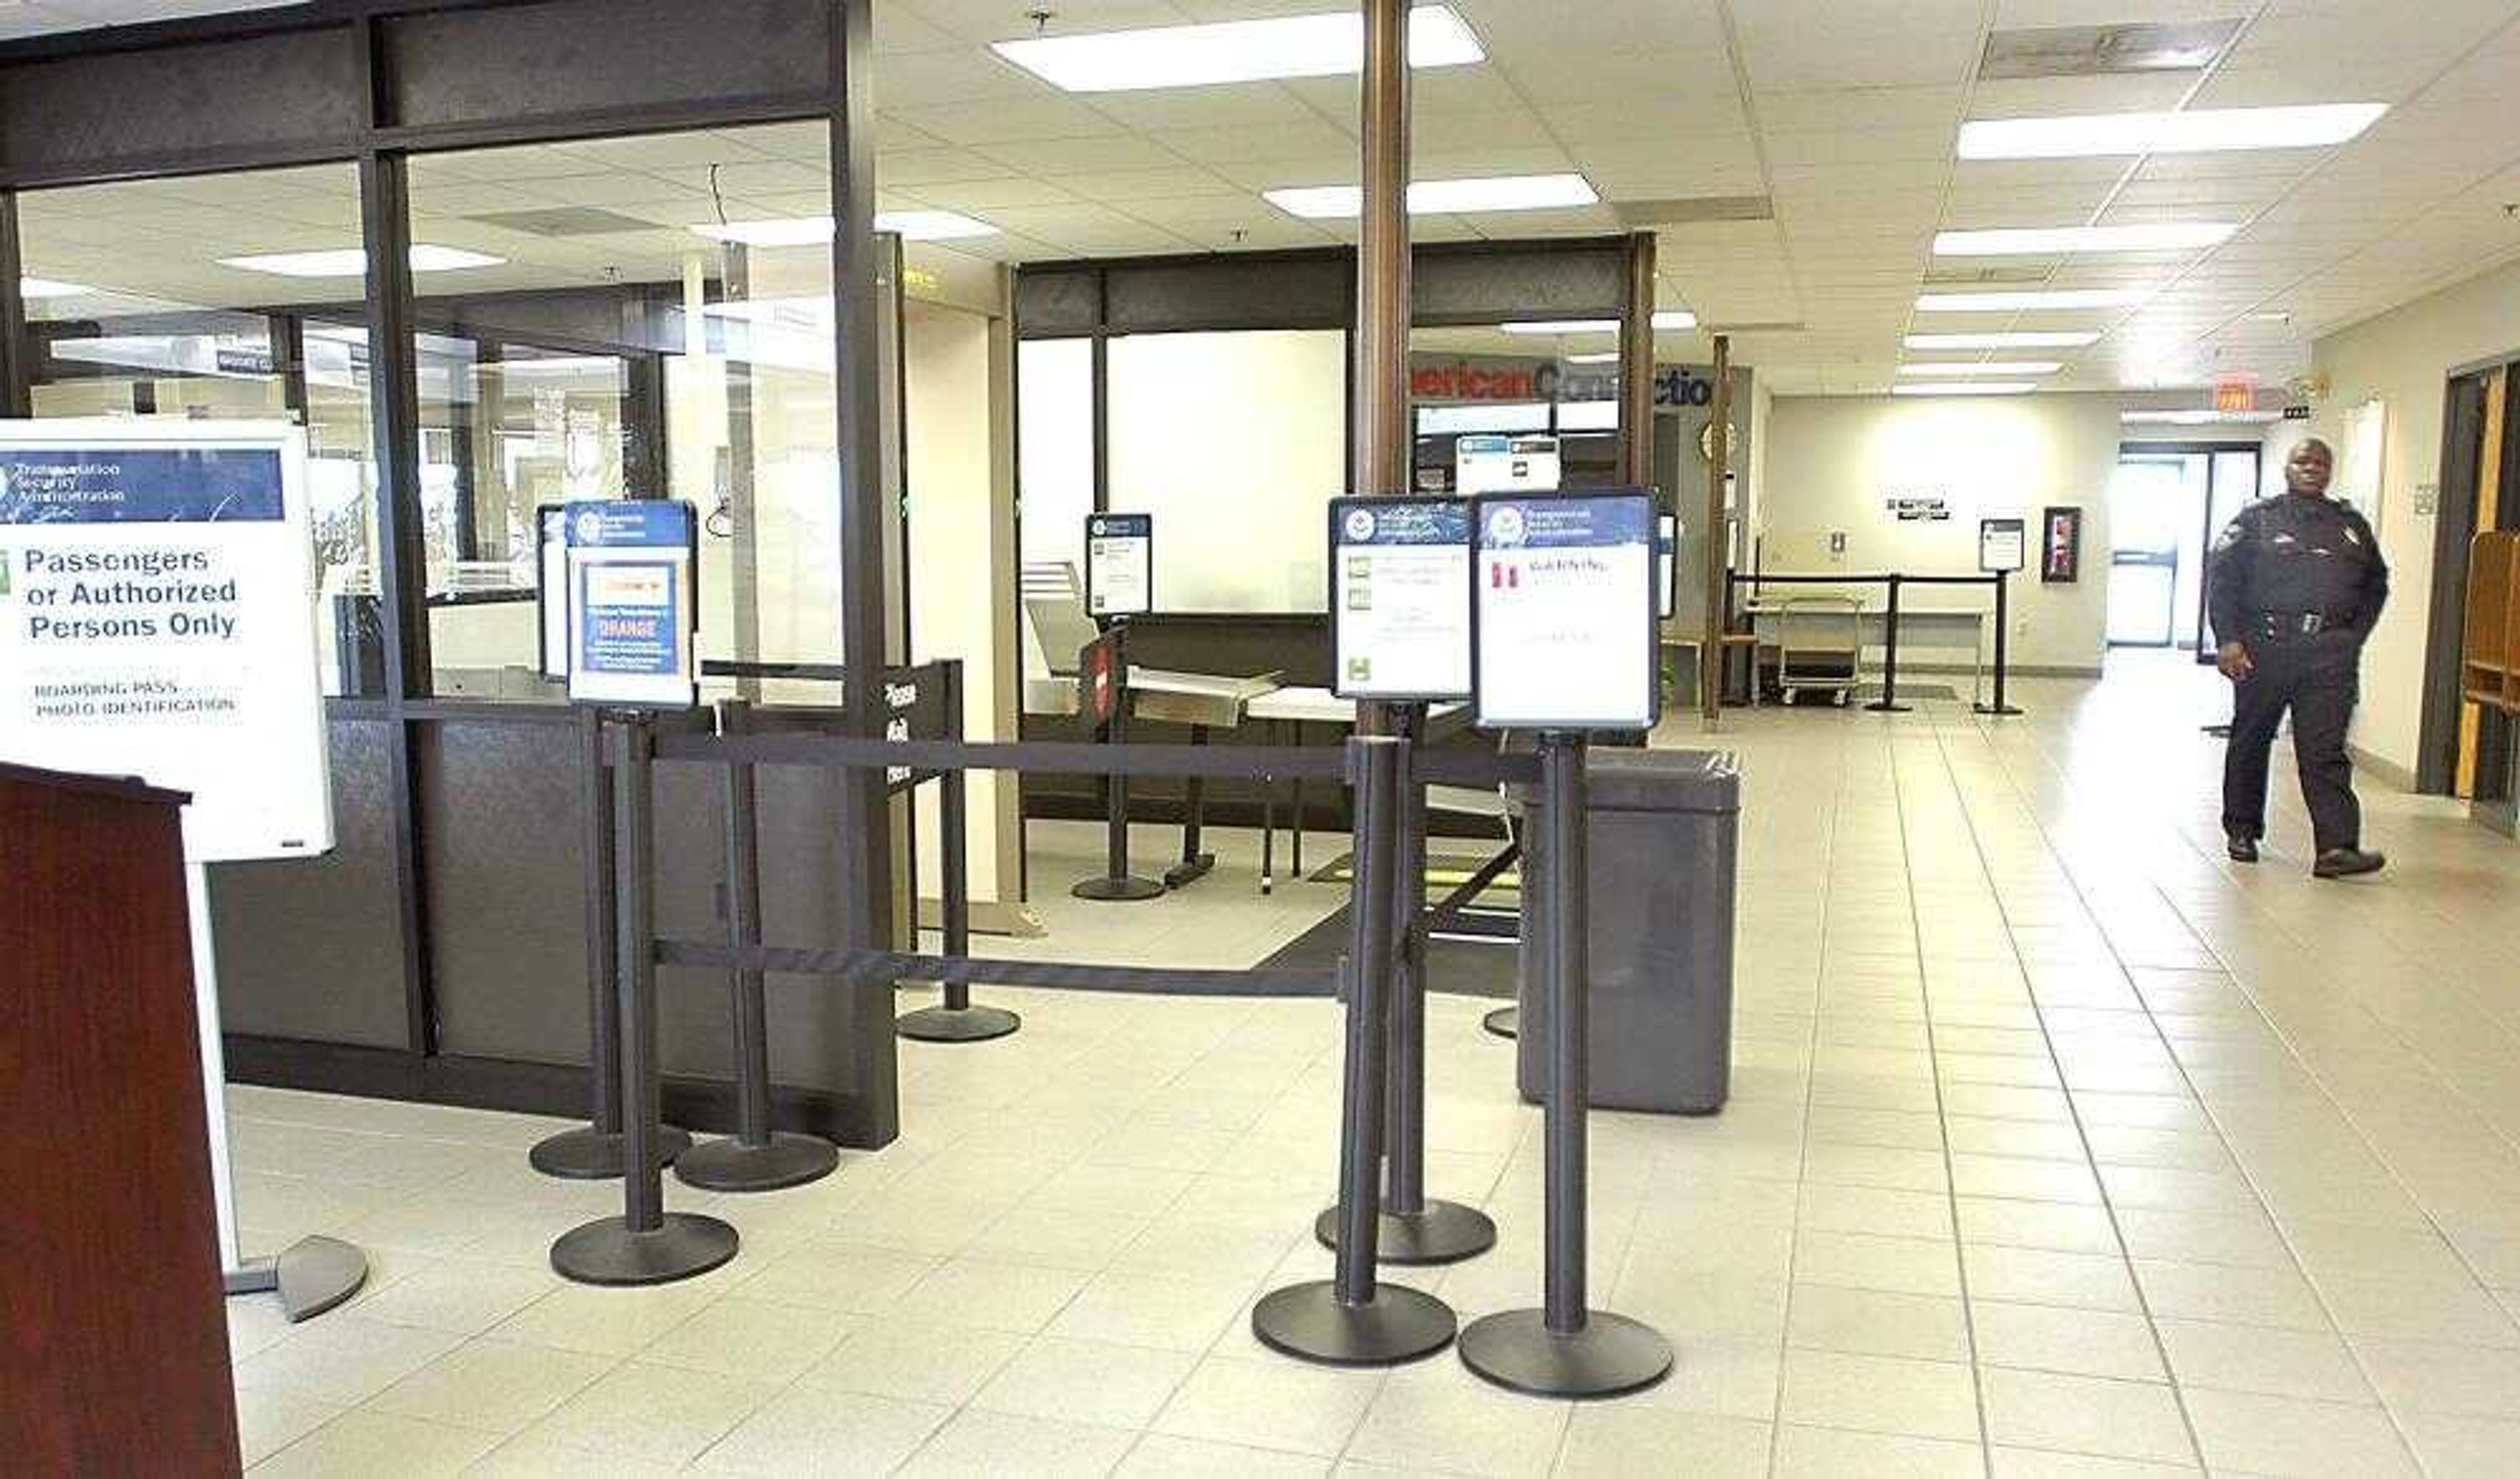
[
  {"x": 2243, "y": 849},
  {"x": 2346, "y": 863}
]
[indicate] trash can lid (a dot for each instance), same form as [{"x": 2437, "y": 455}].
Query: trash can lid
[{"x": 1663, "y": 780}]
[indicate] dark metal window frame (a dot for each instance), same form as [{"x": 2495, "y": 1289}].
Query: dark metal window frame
[{"x": 372, "y": 82}]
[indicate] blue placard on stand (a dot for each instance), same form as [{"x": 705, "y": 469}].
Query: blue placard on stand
[
  {"x": 1565, "y": 612},
  {"x": 1119, "y": 565},
  {"x": 633, "y": 627},
  {"x": 1400, "y": 597}
]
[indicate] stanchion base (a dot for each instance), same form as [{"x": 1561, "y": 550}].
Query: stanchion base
[
  {"x": 1191, "y": 870},
  {"x": 1880, "y": 707},
  {"x": 1445, "y": 1233},
  {"x": 1611, "y": 1356},
  {"x": 1118, "y": 890},
  {"x": 1398, "y": 1324},
  {"x": 1999, "y": 708},
  {"x": 731, "y": 1165},
  {"x": 948, "y": 1024},
  {"x": 1503, "y": 1022},
  {"x": 311, "y": 1276},
  {"x": 606, "y": 1251},
  {"x": 591, "y": 1155}
]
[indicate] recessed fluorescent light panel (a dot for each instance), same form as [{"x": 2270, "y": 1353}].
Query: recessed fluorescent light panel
[
  {"x": 1326, "y": 45},
  {"x": 31, "y": 288},
  {"x": 814, "y": 231},
  {"x": 2022, "y": 302},
  {"x": 2020, "y": 338},
  {"x": 1332, "y": 202},
  {"x": 352, "y": 262},
  {"x": 1611, "y": 358},
  {"x": 2049, "y": 241},
  {"x": 1671, "y": 319},
  {"x": 1970, "y": 369},
  {"x": 1968, "y": 388},
  {"x": 2207, "y": 130}
]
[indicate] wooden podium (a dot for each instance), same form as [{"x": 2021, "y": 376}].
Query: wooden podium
[{"x": 115, "y": 1358}]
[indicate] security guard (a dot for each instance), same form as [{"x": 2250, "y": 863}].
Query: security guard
[{"x": 2295, "y": 585}]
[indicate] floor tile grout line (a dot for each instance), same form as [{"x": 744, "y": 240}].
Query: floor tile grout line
[{"x": 2239, "y": 1165}]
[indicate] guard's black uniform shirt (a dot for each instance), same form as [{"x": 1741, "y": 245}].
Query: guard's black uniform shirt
[{"x": 2298, "y": 580}]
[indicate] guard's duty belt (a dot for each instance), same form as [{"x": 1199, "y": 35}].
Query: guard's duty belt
[{"x": 2293, "y": 626}]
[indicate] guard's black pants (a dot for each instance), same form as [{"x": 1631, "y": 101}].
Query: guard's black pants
[{"x": 2315, "y": 677}]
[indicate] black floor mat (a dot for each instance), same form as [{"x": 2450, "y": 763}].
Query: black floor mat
[{"x": 1464, "y": 967}]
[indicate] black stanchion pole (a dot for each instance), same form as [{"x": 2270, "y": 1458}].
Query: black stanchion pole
[
  {"x": 1888, "y": 703},
  {"x": 758, "y": 1158},
  {"x": 1412, "y": 1229},
  {"x": 1565, "y": 1348},
  {"x": 593, "y": 1153},
  {"x": 1117, "y": 886},
  {"x": 1349, "y": 1320},
  {"x": 956, "y": 1020},
  {"x": 645, "y": 1244},
  {"x": 2003, "y": 643}
]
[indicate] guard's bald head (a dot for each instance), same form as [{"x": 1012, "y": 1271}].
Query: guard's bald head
[{"x": 2311, "y": 463}]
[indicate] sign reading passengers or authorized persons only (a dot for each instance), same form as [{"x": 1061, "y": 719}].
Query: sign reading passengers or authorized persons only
[
  {"x": 1565, "y": 614},
  {"x": 633, "y": 634},
  {"x": 1400, "y": 597},
  {"x": 158, "y": 620},
  {"x": 1119, "y": 565}
]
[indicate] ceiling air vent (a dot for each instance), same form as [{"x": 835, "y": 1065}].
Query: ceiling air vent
[
  {"x": 1984, "y": 277},
  {"x": 564, "y": 221},
  {"x": 1691, "y": 211},
  {"x": 2097, "y": 51}
]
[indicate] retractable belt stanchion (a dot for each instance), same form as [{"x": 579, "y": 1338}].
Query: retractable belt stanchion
[
  {"x": 1411, "y": 1230},
  {"x": 757, "y": 1158},
  {"x": 1117, "y": 886},
  {"x": 2003, "y": 643},
  {"x": 1888, "y": 703},
  {"x": 1565, "y": 1348},
  {"x": 1349, "y": 1320},
  {"x": 593, "y": 1153},
  {"x": 646, "y": 1244},
  {"x": 956, "y": 1020}
]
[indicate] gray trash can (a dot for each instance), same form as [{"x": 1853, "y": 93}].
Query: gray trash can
[{"x": 1662, "y": 844}]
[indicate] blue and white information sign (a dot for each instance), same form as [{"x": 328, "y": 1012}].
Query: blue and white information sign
[
  {"x": 1119, "y": 565},
  {"x": 1666, "y": 565},
  {"x": 158, "y": 620},
  {"x": 1400, "y": 597},
  {"x": 633, "y": 623},
  {"x": 1524, "y": 464},
  {"x": 1565, "y": 635}
]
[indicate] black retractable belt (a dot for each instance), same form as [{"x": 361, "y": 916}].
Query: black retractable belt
[
  {"x": 1565, "y": 1348},
  {"x": 646, "y": 1244},
  {"x": 593, "y": 1153},
  {"x": 757, "y": 1158},
  {"x": 1349, "y": 1320}
]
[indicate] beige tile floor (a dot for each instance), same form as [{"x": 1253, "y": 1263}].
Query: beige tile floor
[{"x": 2058, "y": 1146}]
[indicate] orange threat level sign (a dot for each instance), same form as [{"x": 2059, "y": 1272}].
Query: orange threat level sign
[{"x": 2236, "y": 395}]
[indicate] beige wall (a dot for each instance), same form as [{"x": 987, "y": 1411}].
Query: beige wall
[
  {"x": 1831, "y": 463},
  {"x": 2405, "y": 358}
]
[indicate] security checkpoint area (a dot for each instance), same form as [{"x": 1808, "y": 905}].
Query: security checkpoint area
[{"x": 812, "y": 736}]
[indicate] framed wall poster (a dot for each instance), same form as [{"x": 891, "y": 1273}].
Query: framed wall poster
[
  {"x": 1400, "y": 597},
  {"x": 633, "y": 612},
  {"x": 2060, "y": 559},
  {"x": 1119, "y": 565},
  {"x": 1563, "y": 625}
]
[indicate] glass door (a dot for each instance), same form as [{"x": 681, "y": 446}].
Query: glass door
[
  {"x": 2148, "y": 503},
  {"x": 2236, "y": 484}
]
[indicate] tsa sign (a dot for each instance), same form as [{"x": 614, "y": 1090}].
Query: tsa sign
[
  {"x": 1400, "y": 597},
  {"x": 633, "y": 633},
  {"x": 1565, "y": 617},
  {"x": 1119, "y": 565}
]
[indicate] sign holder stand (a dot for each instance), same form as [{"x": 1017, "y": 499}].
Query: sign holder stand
[
  {"x": 1117, "y": 886},
  {"x": 593, "y": 1150},
  {"x": 1564, "y": 1348},
  {"x": 956, "y": 1020},
  {"x": 312, "y": 1274},
  {"x": 1349, "y": 1320},
  {"x": 646, "y": 1244},
  {"x": 1412, "y": 1229},
  {"x": 757, "y": 1158}
]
